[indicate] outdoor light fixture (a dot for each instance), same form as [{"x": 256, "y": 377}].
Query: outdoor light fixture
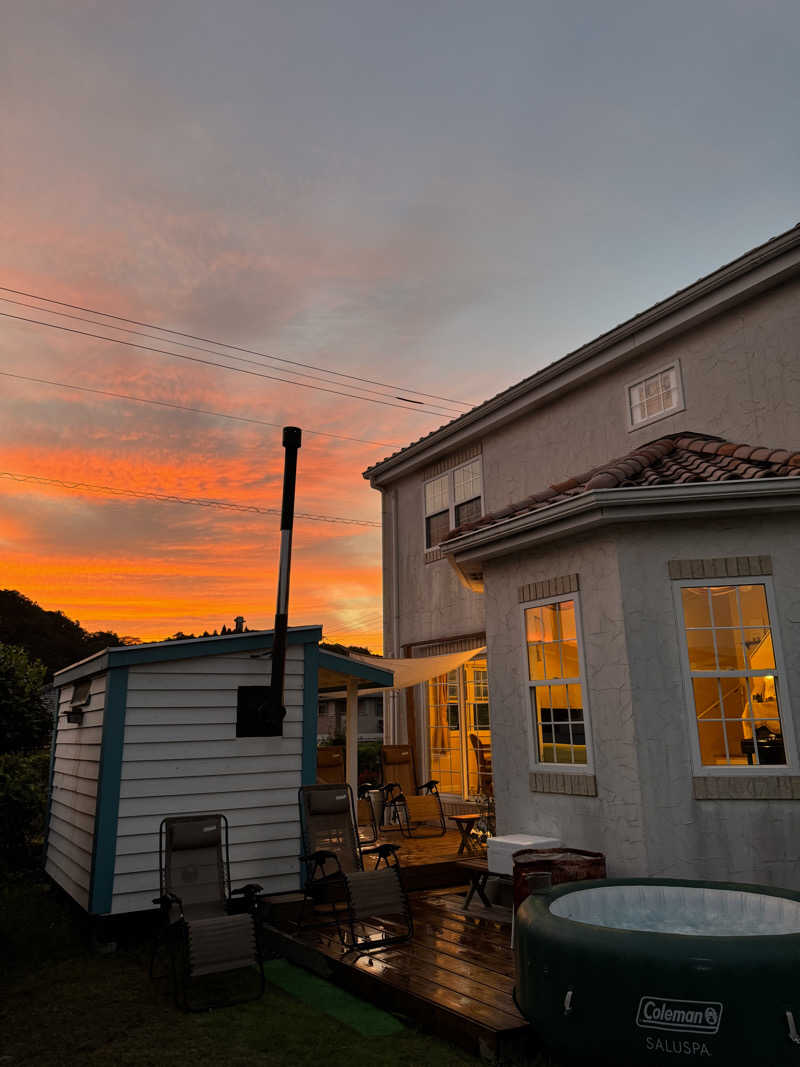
[{"x": 80, "y": 698}]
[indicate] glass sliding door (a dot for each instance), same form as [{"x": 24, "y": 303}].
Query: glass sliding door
[{"x": 459, "y": 730}]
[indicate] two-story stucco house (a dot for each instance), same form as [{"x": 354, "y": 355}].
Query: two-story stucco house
[{"x": 619, "y": 536}]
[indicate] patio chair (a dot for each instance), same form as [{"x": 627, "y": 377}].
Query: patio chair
[
  {"x": 413, "y": 806},
  {"x": 330, "y": 765},
  {"x": 366, "y": 816},
  {"x": 483, "y": 761},
  {"x": 203, "y": 935},
  {"x": 370, "y": 907}
]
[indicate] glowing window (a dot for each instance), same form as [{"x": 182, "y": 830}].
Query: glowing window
[
  {"x": 556, "y": 685},
  {"x": 733, "y": 673}
]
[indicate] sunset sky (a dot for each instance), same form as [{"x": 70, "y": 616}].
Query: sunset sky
[{"x": 439, "y": 196}]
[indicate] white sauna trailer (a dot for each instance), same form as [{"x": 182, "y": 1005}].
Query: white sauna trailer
[{"x": 147, "y": 731}]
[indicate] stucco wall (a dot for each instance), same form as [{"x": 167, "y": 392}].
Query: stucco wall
[
  {"x": 742, "y": 840},
  {"x": 611, "y": 822},
  {"x": 741, "y": 379}
]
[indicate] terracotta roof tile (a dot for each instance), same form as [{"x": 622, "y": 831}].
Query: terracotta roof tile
[{"x": 676, "y": 459}]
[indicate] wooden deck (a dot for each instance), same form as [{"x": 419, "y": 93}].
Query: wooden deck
[{"x": 454, "y": 978}]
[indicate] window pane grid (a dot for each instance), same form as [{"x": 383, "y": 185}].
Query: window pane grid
[
  {"x": 458, "y": 721},
  {"x": 653, "y": 395},
  {"x": 555, "y": 683},
  {"x": 733, "y": 675}
]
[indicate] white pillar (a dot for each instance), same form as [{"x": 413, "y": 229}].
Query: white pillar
[{"x": 351, "y": 735}]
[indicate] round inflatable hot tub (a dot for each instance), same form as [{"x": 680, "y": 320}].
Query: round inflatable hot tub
[{"x": 639, "y": 972}]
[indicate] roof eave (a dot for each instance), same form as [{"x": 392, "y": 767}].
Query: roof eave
[
  {"x": 760, "y": 269},
  {"x": 190, "y": 648},
  {"x": 601, "y": 507}
]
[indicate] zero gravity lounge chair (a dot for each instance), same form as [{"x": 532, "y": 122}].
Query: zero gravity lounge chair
[
  {"x": 203, "y": 936},
  {"x": 413, "y": 806},
  {"x": 369, "y": 907}
]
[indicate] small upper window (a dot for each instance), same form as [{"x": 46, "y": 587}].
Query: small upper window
[
  {"x": 654, "y": 397},
  {"x": 451, "y": 500}
]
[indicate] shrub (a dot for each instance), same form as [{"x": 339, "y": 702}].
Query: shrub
[
  {"x": 25, "y": 720},
  {"x": 23, "y": 806}
]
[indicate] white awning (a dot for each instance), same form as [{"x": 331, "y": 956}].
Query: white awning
[{"x": 413, "y": 670}]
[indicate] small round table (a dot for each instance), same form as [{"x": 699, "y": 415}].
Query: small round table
[{"x": 465, "y": 823}]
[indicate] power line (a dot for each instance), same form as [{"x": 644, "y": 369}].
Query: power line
[
  {"x": 182, "y": 407},
  {"x": 212, "y": 363},
  {"x": 171, "y": 499},
  {"x": 196, "y": 348},
  {"x": 224, "y": 344}
]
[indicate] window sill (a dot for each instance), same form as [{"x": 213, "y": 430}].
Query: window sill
[
  {"x": 746, "y": 787},
  {"x": 568, "y": 783}
]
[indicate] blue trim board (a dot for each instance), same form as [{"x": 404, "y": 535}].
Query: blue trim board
[
  {"x": 104, "y": 849},
  {"x": 162, "y": 651},
  {"x": 311, "y": 658}
]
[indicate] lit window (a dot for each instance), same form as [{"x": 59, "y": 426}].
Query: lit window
[
  {"x": 460, "y": 731},
  {"x": 654, "y": 397},
  {"x": 451, "y": 500},
  {"x": 733, "y": 675},
  {"x": 558, "y": 711}
]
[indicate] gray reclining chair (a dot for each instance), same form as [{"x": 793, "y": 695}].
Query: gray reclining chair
[
  {"x": 369, "y": 907},
  {"x": 203, "y": 935}
]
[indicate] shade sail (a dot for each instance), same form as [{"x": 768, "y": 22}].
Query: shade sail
[{"x": 412, "y": 671}]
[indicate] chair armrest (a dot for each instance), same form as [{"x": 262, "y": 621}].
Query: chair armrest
[
  {"x": 250, "y": 890},
  {"x": 166, "y": 901},
  {"x": 383, "y": 851},
  {"x": 320, "y": 854},
  {"x": 429, "y": 787},
  {"x": 389, "y": 788}
]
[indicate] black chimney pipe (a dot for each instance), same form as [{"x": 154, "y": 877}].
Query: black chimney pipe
[{"x": 292, "y": 436}]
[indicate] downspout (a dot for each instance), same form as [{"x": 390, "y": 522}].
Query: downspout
[{"x": 394, "y": 695}]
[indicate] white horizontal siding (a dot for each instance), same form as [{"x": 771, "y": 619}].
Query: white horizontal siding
[
  {"x": 192, "y": 767},
  {"x": 73, "y": 798},
  {"x": 182, "y": 756},
  {"x": 243, "y": 817}
]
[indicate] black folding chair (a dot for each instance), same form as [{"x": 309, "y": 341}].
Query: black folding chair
[
  {"x": 369, "y": 907},
  {"x": 203, "y": 935}
]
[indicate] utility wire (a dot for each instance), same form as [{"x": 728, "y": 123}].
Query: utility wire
[
  {"x": 195, "y": 501},
  {"x": 212, "y": 363},
  {"x": 182, "y": 407},
  {"x": 198, "y": 348},
  {"x": 224, "y": 344}
]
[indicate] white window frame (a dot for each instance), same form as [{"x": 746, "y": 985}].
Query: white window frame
[
  {"x": 422, "y": 691},
  {"x": 451, "y": 497},
  {"x": 680, "y": 404},
  {"x": 534, "y": 762},
  {"x": 727, "y": 769}
]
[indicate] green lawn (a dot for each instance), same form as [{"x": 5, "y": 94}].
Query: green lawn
[{"x": 65, "y": 1003}]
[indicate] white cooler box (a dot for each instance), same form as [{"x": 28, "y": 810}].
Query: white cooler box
[{"x": 501, "y": 849}]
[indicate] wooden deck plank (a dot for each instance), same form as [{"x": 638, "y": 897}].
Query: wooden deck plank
[
  {"x": 434, "y": 985},
  {"x": 455, "y": 977}
]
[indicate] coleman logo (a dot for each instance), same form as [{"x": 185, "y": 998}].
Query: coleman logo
[{"x": 694, "y": 1016}]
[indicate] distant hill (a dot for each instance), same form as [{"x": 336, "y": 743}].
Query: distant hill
[{"x": 48, "y": 636}]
